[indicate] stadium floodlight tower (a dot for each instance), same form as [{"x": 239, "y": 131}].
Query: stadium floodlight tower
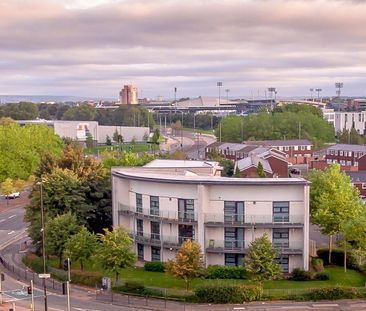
[
  {"x": 272, "y": 90},
  {"x": 311, "y": 92},
  {"x": 318, "y": 91},
  {"x": 339, "y": 86},
  {"x": 219, "y": 85}
]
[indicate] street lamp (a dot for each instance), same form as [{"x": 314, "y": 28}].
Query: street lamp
[
  {"x": 272, "y": 90},
  {"x": 40, "y": 183},
  {"x": 338, "y": 86},
  {"x": 311, "y": 92},
  {"x": 227, "y": 96}
]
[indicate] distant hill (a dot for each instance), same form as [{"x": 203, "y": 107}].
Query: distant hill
[{"x": 45, "y": 98}]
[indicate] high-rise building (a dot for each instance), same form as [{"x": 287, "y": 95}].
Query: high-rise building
[{"x": 128, "y": 95}]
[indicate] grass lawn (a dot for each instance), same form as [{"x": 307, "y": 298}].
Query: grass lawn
[
  {"x": 351, "y": 278},
  {"x": 211, "y": 132},
  {"x": 125, "y": 147}
]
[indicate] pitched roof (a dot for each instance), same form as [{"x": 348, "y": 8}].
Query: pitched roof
[
  {"x": 348, "y": 147},
  {"x": 253, "y": 161},
  {"x": 357, "y": 176},
  {"x": 291, "y": 142}
]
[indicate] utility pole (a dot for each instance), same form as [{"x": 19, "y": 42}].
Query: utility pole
[
  {"x": 32, "y": 290},
  {"x": 68, "y": 284}
]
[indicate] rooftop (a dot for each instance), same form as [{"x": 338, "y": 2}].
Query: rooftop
[
  {"x": 348, "y": 147},
  {"x": 290, "y": 142},
  {"x": 181, "y": 164},
  {"x": 357, "y": 176}
]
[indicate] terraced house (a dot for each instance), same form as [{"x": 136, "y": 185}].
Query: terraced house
[{"x": 168, "y": 202}]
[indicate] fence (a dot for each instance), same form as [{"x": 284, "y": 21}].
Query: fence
[
  {"x": 26, "y": 275},
  {"x": 154, "y": 303}
]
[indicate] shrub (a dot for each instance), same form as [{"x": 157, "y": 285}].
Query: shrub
[
  {"x": 300, "y": 275},
  {"x": 34, "y": 262},
  {"x": 155, "y": 266},
  {"x": 219, "y": 293},
  {"x": 337, "y": 258},
  {"x": 333, "y": 293},
  {"x": 322, "y": 276},
  {"x": 225, "y": 272},
  {"x": 87, "y": 278},
  {"x": 317, "y": 264}
]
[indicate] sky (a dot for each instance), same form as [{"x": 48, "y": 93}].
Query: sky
[{"x": 91, "y": 48}]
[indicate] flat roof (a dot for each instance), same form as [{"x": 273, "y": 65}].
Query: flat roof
[
  {"x": 181, "y": 164},
  {"x": 143, "y": 174}
]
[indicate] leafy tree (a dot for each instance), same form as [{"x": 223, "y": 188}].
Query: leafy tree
[
  {"x": 21, "y": 149},
  {"x": 83, "y": 112},
  {"x": 156, "y": 136},
  {"x": 228, "y": 166},
  {"x": 237, "y": 172},
  {"x": 81, "y": 246},
  {"x": 260, "y": 170},
  {"x": 115, "y": 251},
  {"x": 334, "y": 201},
  {"x": 89, "y": 141},
  {"x": 6, "y": 121},
  {"x": 260, "y": 262},
  {"x": 178, "y": 155},
  {"x": 7, "y": 188},
  {"x": 108, "y": 141},
  {"x": 188, "y": 262},
  {"x": 145, "y": 137},
  {"x": 58, "y": 231}
]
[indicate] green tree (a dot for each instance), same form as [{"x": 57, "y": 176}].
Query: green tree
[
  {"x": 83, "y": 112},
  {"x": 7, "y": 188},
  {"x": 156, "y": 136},
  {"x": 108, "y": 141},
  {"x": 260, "y": 170},
  {"x": 58, "y": 231},
  {"x": 188, "y": 262},
  {"x": 237, "y": 172},
  {"x": 334, "y": 201},
  {"x": 89, "y": 141},
  {"x": 81, "y": 246},
  {"x": 260, "y": 262},
  {"x": 115, "y": 251}
]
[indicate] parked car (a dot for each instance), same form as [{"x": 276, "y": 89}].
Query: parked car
[
  {"x": 295, "y": 171},
  {"x": 13, "y": 195}
]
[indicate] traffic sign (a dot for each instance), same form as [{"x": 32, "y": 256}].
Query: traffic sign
[{"x": 44, "y": 275}]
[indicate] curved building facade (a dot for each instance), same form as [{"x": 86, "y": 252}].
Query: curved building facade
[{"x": 163, "y": 205}]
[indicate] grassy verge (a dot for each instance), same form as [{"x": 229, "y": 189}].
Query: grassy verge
[{"x": 125, "y": 147}]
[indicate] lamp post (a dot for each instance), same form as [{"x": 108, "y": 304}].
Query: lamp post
[
  {"x": 338, "y": 86},
  {"x": 227, "y": 96},
  {"x": 40, "y": 183}
]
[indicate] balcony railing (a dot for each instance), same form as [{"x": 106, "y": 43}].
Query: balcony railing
[
  {"x": 249, "y": 220},
  {"x": 158, "y": 239},
  {"x": 158, "y": 214},
  {"x": 289, "y": 247}
]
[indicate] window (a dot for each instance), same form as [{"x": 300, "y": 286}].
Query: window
[
  {"x": 356, "y": 163},
  {"x": 185, "y": 232},
  {"x": 302, "y": 147},
  {"x": 233, "y": 211},
  {"x": 287, "y": 148},
  {"x": 281, "y": 211},
  {"x": 138, "y": 202},
  {"x": 280, "y": 148},
  {"x": 349, "y": 163},
  {"x": 186, "y": 209},
  {"x": 155, "y": 230},
  {"x": 155, "y": 253},
  {"x": 140, "y": 227},
  {"x": 350, "y": 153},
  {"x": 234, "y": 238},
  {"x": 140, "y": 251},
  {"x": 234, "y": 259},
  {"x": 342, "y": 162},
  {"x": 284, "y": 262},
  {"x": 308, "y": 147},
  {"x": 154, "y": 205},
  {"x": 296, "y": 148},
  {"x": 341, "y": 153},
  {"x": 280, "y": 238}
]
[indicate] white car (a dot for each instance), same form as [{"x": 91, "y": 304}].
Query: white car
[{"x": 13, "y": 195}]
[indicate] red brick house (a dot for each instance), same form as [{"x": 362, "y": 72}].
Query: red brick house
[
  {"x": 350, "y": 157},
  {"x": 298, "y": 151},
  {"x": 358, "y": 179}
]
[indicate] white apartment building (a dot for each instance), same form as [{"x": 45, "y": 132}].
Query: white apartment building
[
  {"x": 168, "y": 202},
  {"x": 349, "y": 119}
]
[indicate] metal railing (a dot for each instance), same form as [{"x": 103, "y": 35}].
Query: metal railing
[
  {"x": 250, "y": 219},
  {"x": 152, "y": 213},
  {"x": 158, "y": 239}
]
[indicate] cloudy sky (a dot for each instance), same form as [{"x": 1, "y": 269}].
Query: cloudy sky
[{"x": 93, "y": 47}]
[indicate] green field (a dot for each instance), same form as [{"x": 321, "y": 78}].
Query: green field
[{"x": 124, "y": 147}]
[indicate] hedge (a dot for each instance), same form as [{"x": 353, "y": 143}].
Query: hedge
[
  {"x": 225, "y": 272},
  {"x": 333, "y": 293},
  {"x": 155, "y": 266},
  {"x": 220, "y": 293}
]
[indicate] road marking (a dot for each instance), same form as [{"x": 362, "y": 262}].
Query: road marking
[
  {"x": 1, "y": 220},
  {"x": 325, "y": 305},
  {"x": 11, "y": 232},
  {"x": 81, "y": 309},
  {"x": 55, "y": 309},
  {"x": 239, "y": 308},
  {"x": 11, "y": 216}
]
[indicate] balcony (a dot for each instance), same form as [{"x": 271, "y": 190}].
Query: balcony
[
  {"x": 227, "y": 246},
  {"x": 170, "y": 242},
  {"x": 259, "y": 221},
  {"x": 158, "y": 215},
  {"x": 238, "y": 246}
]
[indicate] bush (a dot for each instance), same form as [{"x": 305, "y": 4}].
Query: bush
[
  {"x": 133, "y": 287},
  {"x": 155, "y": 266},
  {"x": 34, "y": 262},
  {"x": 333, "y": 293},
  {"x": 218, "y": 293},
  {"x": 87, "y": 278},
  {"x": 317, "y": 264},
  {"x": 322, "y": 276},
  {"x": 225, "y": 272},
  {"x": 301, "y": 275},
  {"x": 337, "y": 258}
]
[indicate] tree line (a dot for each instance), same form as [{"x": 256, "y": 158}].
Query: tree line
[{"x": 287, "y": 122}]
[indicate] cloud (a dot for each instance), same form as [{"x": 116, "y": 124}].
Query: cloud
[{"x": 87, "y": 47}]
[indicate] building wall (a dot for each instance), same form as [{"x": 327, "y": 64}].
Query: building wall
[
  {"x": 128, "y": 133},
  {"x": 279, "y": 167},
  {"x": 347, "y": 120},
  {"x": 209, "y": 207}
]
